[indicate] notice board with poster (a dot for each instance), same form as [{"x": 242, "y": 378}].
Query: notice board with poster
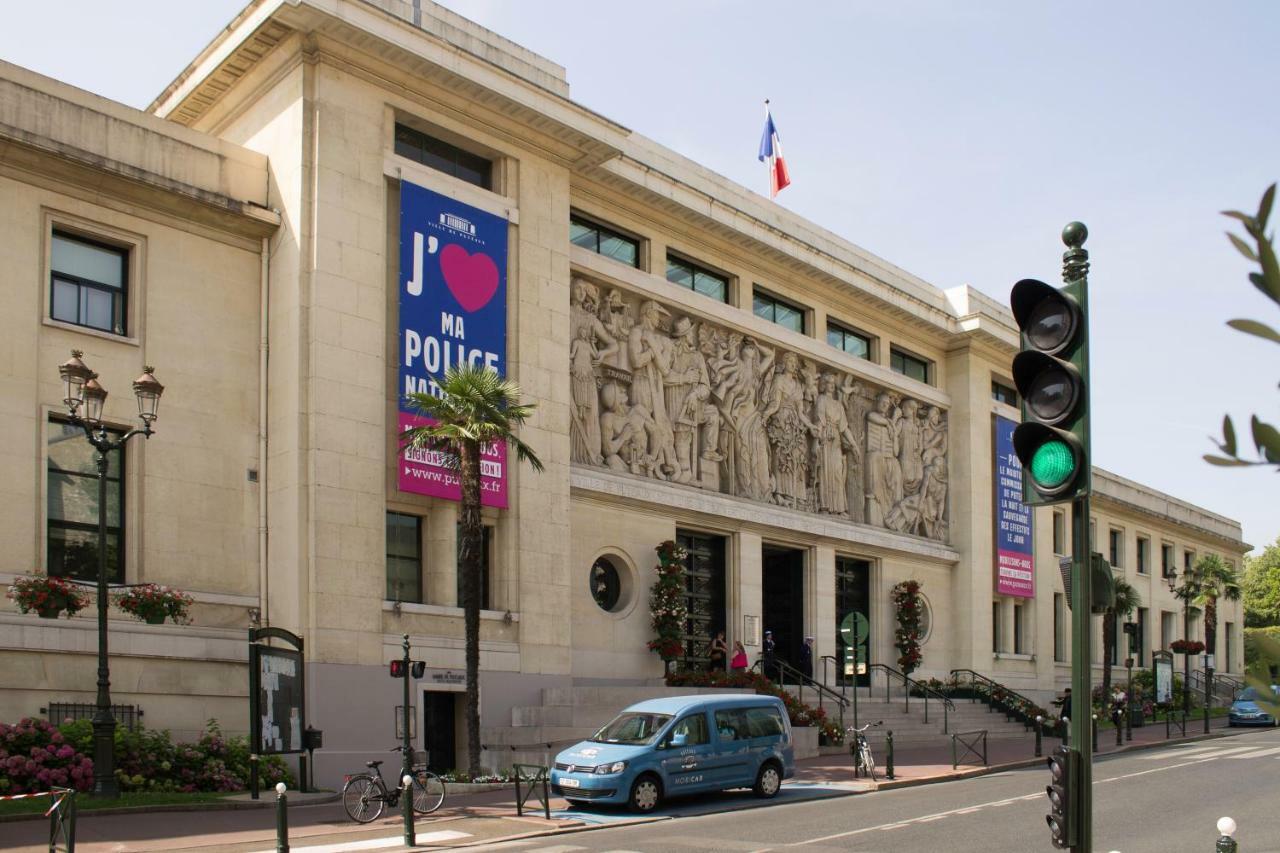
[
  {"x": 1015, "y": 564},
  {"x": 277, "y": 693},
  {"x": 453, "y": 310}
]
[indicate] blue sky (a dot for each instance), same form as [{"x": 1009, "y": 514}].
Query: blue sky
[{"x": 952, "y": 139}]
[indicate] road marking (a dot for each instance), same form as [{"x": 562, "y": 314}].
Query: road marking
[
  {"x": 383, "y": 843},
  {"x": 1258, "y": 753}
]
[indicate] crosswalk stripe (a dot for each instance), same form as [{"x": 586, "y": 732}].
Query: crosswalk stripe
[
  {"x": 1258, "y": 753},
  {"x": 383, "y": 843},
  {"x": 1198, "y": 754}
]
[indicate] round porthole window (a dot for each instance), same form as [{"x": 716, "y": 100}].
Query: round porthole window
[
  {"x": 606, "y": 584},
  {"x": 926, "y": 620}
]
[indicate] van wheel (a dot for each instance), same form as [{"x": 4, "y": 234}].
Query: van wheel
[
  {"x": 646, "y": 794},
  {"x": 768, "y": 781}
]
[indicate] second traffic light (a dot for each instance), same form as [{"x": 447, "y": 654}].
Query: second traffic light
[
  {"x": 1062, "y": 805},
  {"x": 1051, "y": 372},
  {"x": 417, "y": 669}
]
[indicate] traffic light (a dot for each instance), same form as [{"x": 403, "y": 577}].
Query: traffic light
[
  {"x": 1062, "y": 779},
  {"x": 1051, "y": 372},
  {"x": 419, "y": 668},
  {"x": 397, "y": 669}
]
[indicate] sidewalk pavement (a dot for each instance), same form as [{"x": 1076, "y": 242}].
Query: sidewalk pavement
[{"x": 489, "y": 817}]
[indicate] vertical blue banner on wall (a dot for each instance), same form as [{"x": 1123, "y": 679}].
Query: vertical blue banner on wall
[
  {"x": 1015, "y": 565},
  {"x": 453, "y": 310}
]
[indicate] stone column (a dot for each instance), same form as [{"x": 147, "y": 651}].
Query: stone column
[
  {"x": 820, "y": 621},
  {"x": 747, "y": 590},
  {"x": 440, "y": 552}
]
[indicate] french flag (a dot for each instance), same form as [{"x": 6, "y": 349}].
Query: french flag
[{"x": 771, "y": 150}]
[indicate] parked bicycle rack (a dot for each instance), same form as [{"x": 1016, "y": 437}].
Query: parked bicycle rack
[
  {"x": 62, "y": 817},
  {"x": 537, "y": 787},
  {"x": 970, "y": 742}
]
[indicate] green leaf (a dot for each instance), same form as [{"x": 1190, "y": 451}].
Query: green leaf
[
  {"x": 1253, "y": 327},
  {"x": 1228, "y": 436},
  {"x": 1271, "y": 290},
  {"x": 1267, "y": 439},
  {"x": 1224, "y": 462},
  {"x": 1243, "y": 217},
  {"x": 1264, "y": 207},
  {"x": 1242, "y": 247},
  {"x": 1270, "y": 269}
]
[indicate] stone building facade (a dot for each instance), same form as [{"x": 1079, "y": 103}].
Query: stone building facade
[{"x": 812, "y": 423}]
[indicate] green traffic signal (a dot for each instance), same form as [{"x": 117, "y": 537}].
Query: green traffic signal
[{"x": 1052, "y": 464}]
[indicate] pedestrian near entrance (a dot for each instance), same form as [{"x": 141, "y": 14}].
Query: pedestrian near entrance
[
  {"x": 738, "y": 663},
  {"x": 770, "y": 656},
  {"x": 717, "y": 651},
  {"x": 806, "y": 657},
  {"x": 1066, "y": 704}
]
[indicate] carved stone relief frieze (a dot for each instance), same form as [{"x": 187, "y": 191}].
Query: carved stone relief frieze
[{"x": 687, "y": 401}]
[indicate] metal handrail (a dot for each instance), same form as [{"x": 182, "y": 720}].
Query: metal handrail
[
  {"x": 976, "y": 677},
  {"x": 1235, "y": 685},
  {"x": 786, "y": 670},
  {"x": 827, "y": 682},
  {"x": 925, "y": 691}
]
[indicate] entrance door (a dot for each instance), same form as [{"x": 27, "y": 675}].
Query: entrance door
[
  {"x": 783, "y": 582},
  {"x": 439, "y": 736},
  {"x": 853, "y": 595},
  {"x": 703, "y": 595}
]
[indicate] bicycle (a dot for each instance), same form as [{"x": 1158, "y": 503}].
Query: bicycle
[
  {"x": 365, "y": 795},
  {"x": 863, "y": 762}
]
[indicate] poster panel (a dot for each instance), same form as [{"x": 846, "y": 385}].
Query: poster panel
[
  {"x": 1015, "y": 565},
  {"x": 279, "y": 707},
  {"x": 453, "y": 310}
]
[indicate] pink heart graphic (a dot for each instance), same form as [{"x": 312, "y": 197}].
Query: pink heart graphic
[{"x": 472, "y": 279}]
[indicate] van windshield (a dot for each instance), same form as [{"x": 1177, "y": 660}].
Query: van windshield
[{"x": 632, "y": 728}]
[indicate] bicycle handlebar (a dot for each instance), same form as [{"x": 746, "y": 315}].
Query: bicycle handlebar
[{"x": 867, "y": 726}]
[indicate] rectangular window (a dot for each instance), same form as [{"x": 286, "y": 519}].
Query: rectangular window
[
  {"x": 910, "y": 366},
  {"x": 1059, "y": 627},
  {"x": 995, "y": 626},
  {"x": 404, "y": 557},
  {"x": 1117, "y": 548},
  {"x": 854, "y": 343},
  {"x": 1166, "y": 560},
  {"x": 1019, "y": 630},
  {"x": 1002, "y": 393},
  {"x": 696, "y": 278},
  {"x": 776, "y": 311},
  {"x": 1231, "y": 645},
  {"x": 88, "y": 283},
  {"x": 486, "y": 567},
  {"x": 1093, "y": 532},
  {"x": 1168, "y": 628},
  {"x": 1188, "y": 560},
  {"x": 603, "y": 240},
  {"x": 73, "y": 506},
  {"x": 444, "y": 157},
  {"x": 1120, "y": 638},
  {"x": 1144, "y": 555},
  {"x": 1059, "y": 533}
]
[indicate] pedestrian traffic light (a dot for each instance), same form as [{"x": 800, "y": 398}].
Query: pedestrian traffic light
[
  {"x": 1051, "y": 372},
  {"x": 419, "y": 668},
  {"x": 1062, "y": 779},
  {"x": 397, "y": 669}
]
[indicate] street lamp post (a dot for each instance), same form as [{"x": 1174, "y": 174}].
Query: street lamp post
[{"x": 82, "y": 389}]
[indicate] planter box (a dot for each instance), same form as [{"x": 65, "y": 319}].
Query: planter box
[{"x": 804, "y": 740}]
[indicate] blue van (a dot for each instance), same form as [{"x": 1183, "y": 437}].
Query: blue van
[{"x": 680, "y": 745}]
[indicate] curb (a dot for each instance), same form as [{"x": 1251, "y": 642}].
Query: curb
[{"x": 223, "y": 806}]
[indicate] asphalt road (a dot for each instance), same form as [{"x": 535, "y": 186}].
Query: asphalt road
[{"x": 1155, "y": 801}]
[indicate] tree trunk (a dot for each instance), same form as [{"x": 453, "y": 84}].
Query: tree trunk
[
  {"x": 1210, "y": 625},
  {"x": 471, "y": 532},
  {"x": 1108, "y": 643}
]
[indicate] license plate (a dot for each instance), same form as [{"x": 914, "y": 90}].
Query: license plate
[{"x": 566, "y": 782}]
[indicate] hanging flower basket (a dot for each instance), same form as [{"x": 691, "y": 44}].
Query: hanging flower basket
[
  {"x": 1186, "y": 647},
  {"x": 153, "y": 604},
  {"x": 48, "y": 596}
]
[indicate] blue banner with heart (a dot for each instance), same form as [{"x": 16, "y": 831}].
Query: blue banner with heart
[{"x": 453, "y": 310}]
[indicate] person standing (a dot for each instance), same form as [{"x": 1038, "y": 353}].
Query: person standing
[
  {"x": 806, "y": 657},
  {"x": 717, "y": 651},
  {"x": 770, "y": 656},
  {"x": 1066, "y": 704},
  {"x": 738, "y": 663}
]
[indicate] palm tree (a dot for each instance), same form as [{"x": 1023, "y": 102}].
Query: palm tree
[
  {"x": 1212, "y": 579},
  {"x": 1125, "y": 599},
  {"x": 476, "y": 406}
]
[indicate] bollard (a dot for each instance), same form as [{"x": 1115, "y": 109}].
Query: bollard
[
  {"x": 1094, "y": 717},
  {"x": 1066, "y": 731},
  {"x": 282, "y": 819},
  {"x": 410, "y": 838},
  {"x": 253, "y": 777},
  {"x": 1119, "y": 731},
  {"x": 1226, "y": 844},
  {"x": 1206, "y": 718},
  {"x": 302, "y": 774},
  {"x": 1039, "y": 734},
  {"x": 888, "y": 764}
]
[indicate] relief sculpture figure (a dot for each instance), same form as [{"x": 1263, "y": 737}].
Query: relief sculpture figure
[
  {"x": 615, "y": 431},
  {"x": 688, "y": 392},
  {"x": 909, "y": 440},
  {"x": 649, "y": 352},
  {"x": 788, "y": 430},
  {"x": 857, "y": 403},
  {"x": 833, "y": 439},
  {"x": 884, "y": 474},
  {"x": 739, "y": 385},
  {"x": 590, "y": 345}
]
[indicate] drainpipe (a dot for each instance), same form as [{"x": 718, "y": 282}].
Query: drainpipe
[{"x": 263, "y": 347}]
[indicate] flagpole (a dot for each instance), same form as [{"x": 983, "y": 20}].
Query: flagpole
[{"x": 766, "y": 124}]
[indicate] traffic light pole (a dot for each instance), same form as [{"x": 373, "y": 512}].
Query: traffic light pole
[
  {"x": 1081, "y": 665},
  {"x": 406, "y": 766}
]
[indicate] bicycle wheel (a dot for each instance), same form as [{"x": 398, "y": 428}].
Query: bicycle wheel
[
  {"x": 428, "y": 791},
  {"x": 868, "y": 763},
  {"x": 363, "y": 797}
]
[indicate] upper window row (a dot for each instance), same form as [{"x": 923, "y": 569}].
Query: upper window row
[{"x": 444, "y": 157}]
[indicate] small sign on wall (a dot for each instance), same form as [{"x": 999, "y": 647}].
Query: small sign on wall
[{"x": 751, "y": 630}]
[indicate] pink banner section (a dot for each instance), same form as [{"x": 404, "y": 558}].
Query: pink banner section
[
  {"x": 1015, "y": 574},
  {"x": 431, "y": 472}
]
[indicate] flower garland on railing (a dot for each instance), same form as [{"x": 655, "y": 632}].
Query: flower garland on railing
[
  {"x": 908, "y": 608},
  {"x": 667, "y": 610}
]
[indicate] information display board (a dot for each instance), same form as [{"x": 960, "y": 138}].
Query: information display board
[{"x": 277, "y": 694}]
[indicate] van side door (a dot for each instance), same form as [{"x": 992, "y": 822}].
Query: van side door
[
  {"x": 686, "y": 755},
  {"x": 735, "y": 758}
]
